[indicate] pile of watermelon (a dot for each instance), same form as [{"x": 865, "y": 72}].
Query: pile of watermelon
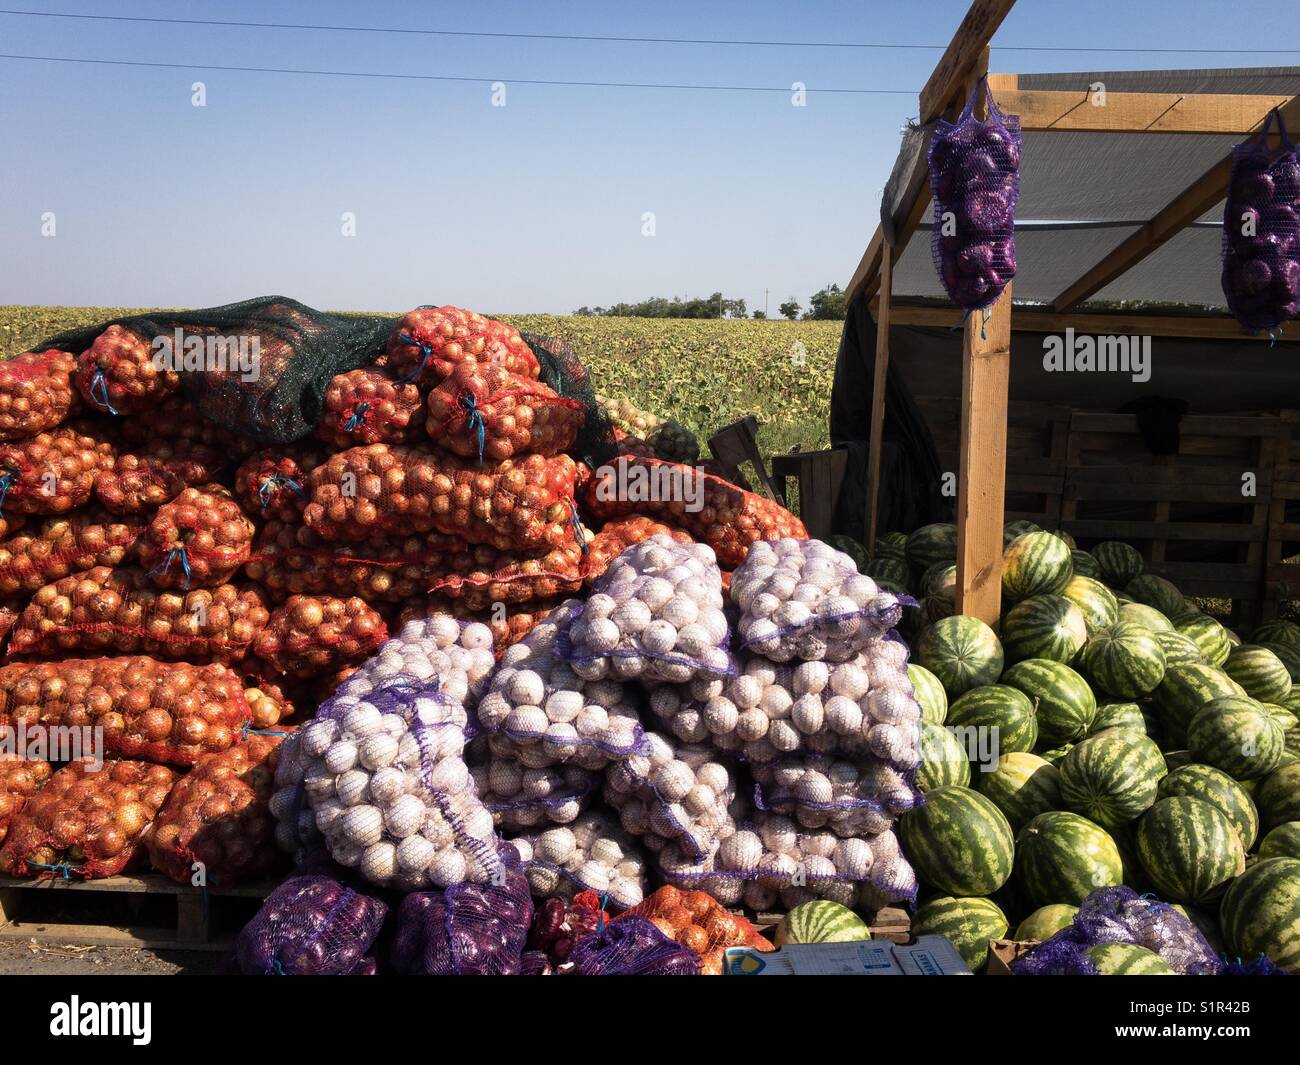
[{"x": 1107, "y": 732}]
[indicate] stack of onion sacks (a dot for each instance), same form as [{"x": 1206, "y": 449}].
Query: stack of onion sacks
[
  {"x": 118, "y": 374},
  {"x": 20, "y": 779},
  {"x": 368, "y": 406},
  {"x": 36, "y": 392},
  {"x": 199, "y": 538},
  {"x": 54, "y": 472},
  {"x": 310, "y": 635}
]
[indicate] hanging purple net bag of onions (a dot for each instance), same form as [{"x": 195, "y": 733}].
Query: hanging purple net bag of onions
[
  {"x": 975, "y": 180},
  {"x": 1261, "y": 231},
  {"x": 311, "y": 925},
  {"x": 468, "y": 929},
  {"x": 632, "y": 946}
]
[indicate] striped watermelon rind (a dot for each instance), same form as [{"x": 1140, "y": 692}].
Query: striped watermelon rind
[
  {"x": 1127, "y": 715},
  {"x": 1097, "y": 603},
  {"x": 1259, "y": 671},
  {"x": 1184, "y": 690},
  {"x": 958, "y": 842},
  {"x": 1063, "y": 857},
  {"x": 1189, "y": 849},
  {"x": 943, "y": 759},
  {"x": 821, "y": 921},
  {"x": 1157, "y": 592},
  {"x": 1178, "y": 648},
  {"x": 1211, "y": 638},
  {"x": 888, "y": 570},
  {"x": 1022, "y": 786},
  {"x": 962, "y": 652},
  {"x": 1045, "y": 922},
  {"x": 1146, "y": 616},
  {"x": 1278, "y": 796},
  {"x": 1218, "y": 789},
  {"x": 1112, "y": 777},
  {"x": 1128, "y": 959},
  {"x": 967, "y": 923},
  {"x": 1125, "y": 660},
  {"x": 997, "y": 707},
  {"x": 930, "y": 544},
  {"x": 1084, "y": 565},
  {"x": 1289, "y": 656},
  {"x": 1035, "y": 563},
  {"x": 1281, "y": 841},
  {"x": 929, "y": 693},
  {"x": 1118, "y": 562},
  {"x": 1070, "y": 542},
  {"x": 1014, "y": 529},
  {"x": 1261, "y": 913},
  {"x": 1236, "y": 734},
  {"x": 1066, "y": 704},
  {"x": 1278, "y": 631},
  {"x": 1043, "y": 626}
]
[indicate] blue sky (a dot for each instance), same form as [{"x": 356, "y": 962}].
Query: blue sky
[{"x": 535, "y": 206}]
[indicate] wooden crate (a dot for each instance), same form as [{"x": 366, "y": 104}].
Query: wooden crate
[
  {"x": 192, "y": 928},
  {"x": 1194, "y": 516},
  {"x": 819, "y": 476},
  {"x": 1036, "y": 453}
]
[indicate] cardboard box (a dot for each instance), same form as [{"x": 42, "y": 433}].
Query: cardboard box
[
  {"x": 1002, "y": 952},
  {"x": 924, "y": 956}
]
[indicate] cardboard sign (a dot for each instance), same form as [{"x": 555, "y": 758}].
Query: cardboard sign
[{"x": 925, "y": 956}]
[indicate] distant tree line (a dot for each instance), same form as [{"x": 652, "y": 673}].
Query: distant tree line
[{"x": 830, "y": 304}]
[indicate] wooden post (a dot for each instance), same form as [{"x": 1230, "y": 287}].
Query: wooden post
[
  {"x": 981, "y": 479},
  {"x": 878, "y": 399}
]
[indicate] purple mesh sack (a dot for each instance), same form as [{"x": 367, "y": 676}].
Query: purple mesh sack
[
  {"x": 311, "y": 925},
  {"x": 1261, "y": 231},
  {"x": 632, "y": 946},
  {"x": 975, "y": 180},
  {"x": 467, "y": 930}
]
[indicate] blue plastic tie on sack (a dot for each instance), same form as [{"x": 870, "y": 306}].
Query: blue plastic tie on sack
[
  {"x": 426, "y": 355},
  {"x": 161, "y": 569},
  {"x": 577, "y": 527},
  {"x": 270, "y": 485},
  {"x": 6, "y": 479},
  {"x": 357, "y": 418},
  {"x": 476, "y": 421},
  {"x": 98, "y": 381},
  {"x": 248, "y": 730},
  {"x": 62, "y": 868}
]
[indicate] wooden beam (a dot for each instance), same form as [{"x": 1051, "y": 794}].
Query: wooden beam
[
  {"x": 982, "y": 473},
  {"x": 1032, "y": 320},
  {"x": 878, "y": 402},
  {"x": 1143, "y": 112},
  {"x": 972, "y": 37},
  {"x": 867, "y": 275}
]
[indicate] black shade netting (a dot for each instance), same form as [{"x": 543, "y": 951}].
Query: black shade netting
[{"x": 563, "y": 371}]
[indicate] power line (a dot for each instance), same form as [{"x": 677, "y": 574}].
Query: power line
[
  {"x": 453, "y": 77},
  {"x": 633, "y": 40}
]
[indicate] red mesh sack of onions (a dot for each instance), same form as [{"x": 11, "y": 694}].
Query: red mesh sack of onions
[
  {"x": 852, "y": 798},
  {"x": 105, "y": 609},
  {"x": 369, "y": 406},
  {"x": 713, "y": 511},
  {"x": 52, "y": 472},
  {"x": 200, "y": 538},
  {"x": 770, "y": 860},
  {"x": 676, "y": 793},
  {"x": 802, "y": 599},
  {"x": 427, "y": 344},
  {"x": 61, "y": 546},
  {"x": 510, "y": 577},
  {"x": 182, "y": 423},
  {"x": 170, "y": 712},
  {"x": 269, "y": 702},
  {"x": 10, "y": 609},
  {"x": 273, "y": 483},
  {"x": 656, "y": 614},
  {"x": 89, "y": 820},
  {"x": 508, "y": 626},
  {"x": 218, "y": 814},
  {"x": 628, "y": 444},
  {"x": 486, "y": 411},
  {"x": 143, "y": 480},
  {"x": 292, "y": 559},
  {"x": 309, "y": 635},
  {"x": 20, "y": 779},
  {"x": 521, "y": 797},
  {"x": 117, "y": 373},
  {"x": 389, "y": 489},
  {"x": 592, "y": 854},
  {"x": 696, "y": 921},
  {"x": 36, "y": 392},
  {"x": 549, "y": 713}
]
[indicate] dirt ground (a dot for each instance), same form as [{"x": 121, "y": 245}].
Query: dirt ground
[{"x": 55, "y": 959}]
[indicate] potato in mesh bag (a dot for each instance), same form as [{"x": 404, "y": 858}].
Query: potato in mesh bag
[{"x": 592, "y": 854}]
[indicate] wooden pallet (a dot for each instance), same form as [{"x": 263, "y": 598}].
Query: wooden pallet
[{"x": 192, "y": 929}]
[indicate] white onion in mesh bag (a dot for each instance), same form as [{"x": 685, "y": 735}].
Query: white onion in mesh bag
[
  {"x": 295, "y": 822},
  {"x": 523, "y": 797},
  {"x": 592, "y": 854},
  {"x": 802, "y": 600},
  {"x": 850, "y": 798}
]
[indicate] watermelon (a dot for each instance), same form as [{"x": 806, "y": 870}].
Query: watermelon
[
  {"x": 1119, "y": 562},
  {"x": 1096, "y": 601},
  {"x": 1184, "y": 690},
  {"x": 1289, "y": 656},
  {"x": 1120, "y": 715},
  {"x": 1283, "y": 841},
  {"x": 1124, "y": 660},
  {"x": 1069, "y": 540},
  {"x": 1279, "y": 631},
  {"x": 1035, "y": 563},
  {"x": 931, "y": 544},
  {"x": 893, "y": 572},
  {"x": 1218, "y": 789},
  {"x": 1210, "y": 637},
  {"x": 1013, "y": 529},
  {"x": 958, "y": 842},
  {"x": 1178, "y": 759},
  {"x": 1084, "y": 565},
  {"x": 1128, "y": 959},
  {"x": 891, "y": 545},
  {"x": 1146, "y": 616},
  {"x": 929, "y": 693},
  {"x": 1284, "y": 717},
  {"x": 1278, "y": 796},
  {"x": 1066, "y": 705},
  {"x": 1236, "y": 734},
  {"x": 1189, "y": 849},
  {"x": 1261, "y": 913},
  {"x": 1001, "y": 708},
  {"x": 821, "y": 921},
  {"x": 1062, "y": 857},
  {"x": 943, "y": 759},
  {"x": 1259, "y": 671},
  {"x": 1157, "y": 592},
  {"x": 1178, "y": 648},
  {"x": 942, "y": 604},
  {"x": 1045, "y": 922},
  {"x": 855, "y": 549},
  {"x": 1111, "y": 778},
  {"x": 1054, "y": 755},
  {"x": 940, "y": 576},
  {"x": 968, "y": 924},
  {"x": 1043, "y": 626},
  {"x": 962, "y": 652},
  {"x": 1022, "y": 786}
]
